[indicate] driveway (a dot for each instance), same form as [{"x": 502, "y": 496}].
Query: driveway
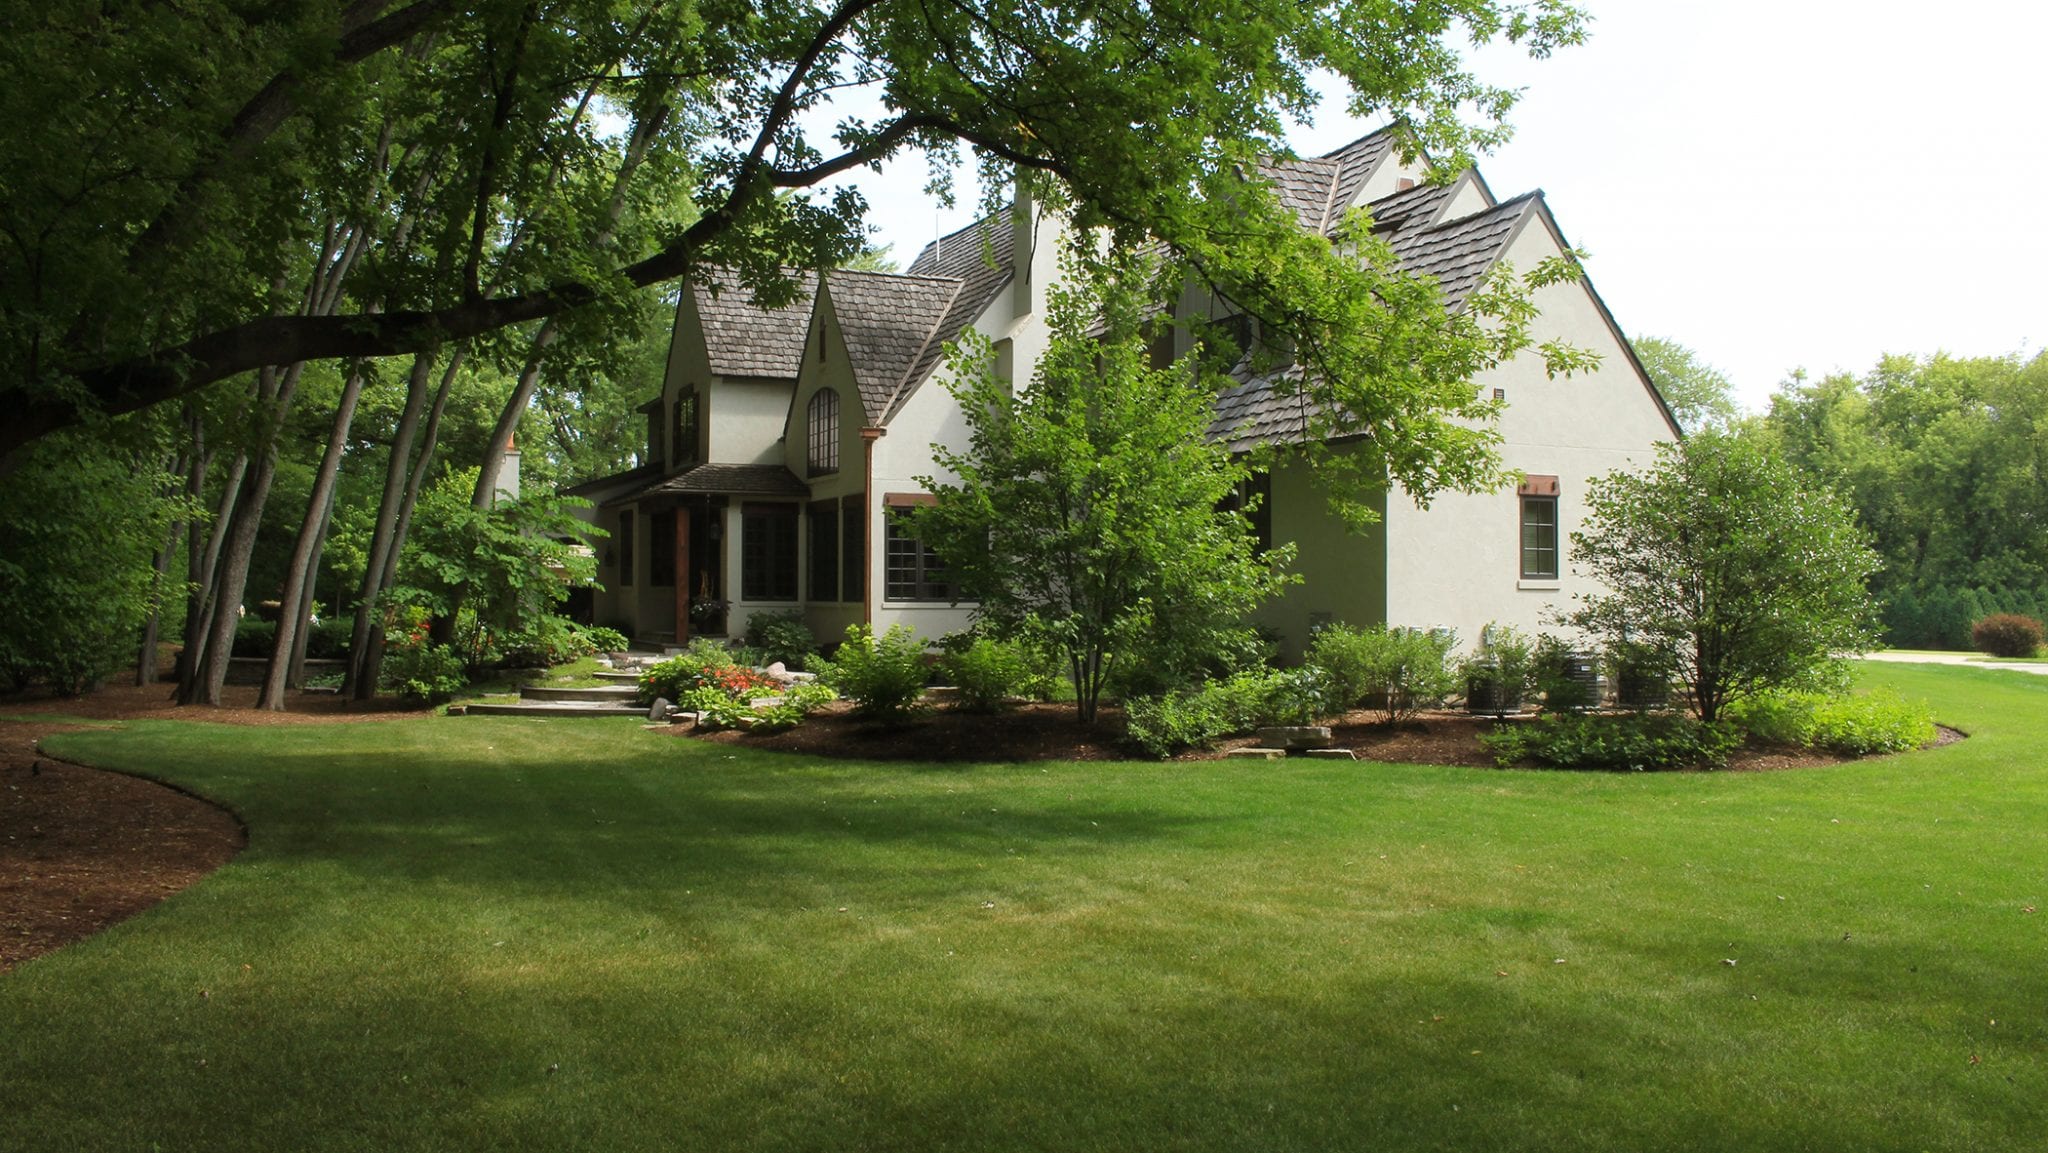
[{"x": 1969, "y": 659}]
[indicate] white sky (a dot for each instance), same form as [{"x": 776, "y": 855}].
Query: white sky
[{"x": 1776, "y": 185}]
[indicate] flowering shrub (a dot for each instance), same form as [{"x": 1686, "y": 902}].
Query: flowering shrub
[{"x": 677, "y": 677}]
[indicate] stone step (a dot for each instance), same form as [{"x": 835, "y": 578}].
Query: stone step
[
  {"x": 607, "y": 693},
  {"x": 618, "y": 677},
  {"x": 551, "y": 709}
]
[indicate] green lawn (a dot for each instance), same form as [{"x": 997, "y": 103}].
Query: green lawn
[{"x": 575, "y": 934}]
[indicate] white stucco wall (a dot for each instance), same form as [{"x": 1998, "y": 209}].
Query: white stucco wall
[
  {"x": 749, "y": 424},
  {"x": 1458, "y": 563}
]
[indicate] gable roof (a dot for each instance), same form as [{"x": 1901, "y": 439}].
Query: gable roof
[
  {"x": 744, "y": 339},
  {"x": 1272, "y": 409},
  {"x": 1457, "y": 253},
  {"x": 887, "y": 321},
  {"x": 1320, "y": 189}
]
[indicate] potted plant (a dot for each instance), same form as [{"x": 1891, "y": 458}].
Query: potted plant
[
  {"x": 1498, "y": 674},
  {"x": 707, "y": 617}
]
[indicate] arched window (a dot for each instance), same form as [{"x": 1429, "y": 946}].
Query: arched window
[{"x": 823, "y": 424}]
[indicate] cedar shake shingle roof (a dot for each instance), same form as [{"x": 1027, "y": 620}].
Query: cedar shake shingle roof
[
  {"x": 1270, "y": 409},
  {"x": 1262, "y": 411},
  {"x": 1456, "y": 253},
  {"x": 888, "y": 320},
  {"x": 1319, "y": 191},
  {"x": 734, "y": 479},
  {"x": 744, "y": 339},
  {"x": 965, "y": 255},
  {"x": 1416, "y": 207}
]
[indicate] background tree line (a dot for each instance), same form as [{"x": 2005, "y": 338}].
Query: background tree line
[{"x": 1945, "y": 460}]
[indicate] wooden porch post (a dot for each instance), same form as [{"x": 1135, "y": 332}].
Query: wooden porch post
[{"x": 682, "y": 574}]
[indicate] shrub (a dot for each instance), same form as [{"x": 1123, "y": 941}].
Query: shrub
[
  {"x": 1169, "y": 723},
  {"x": 1568, "y": 679},
  {"x": 883, "y": 676},
  {"x": 1881, "y": 722},
  {"x": 1395, "y": 671},
  {"x": 329, "y": 638},
  {"x": 1227, "y": 706},
  {"x": 1637, "y": 742},
  {"x": 547, "y": 640},
  {"x": 1297, "y": 697},
  {"x": 781, "y": 637},
  {"x": 1498, "y": 672},
  {"x": 254, "y": 637},
  {"x": 800, "y": 701},
  {"x": 986, "y": 671},
  {"x": 703, "y": 664},
  {"x": 424, "y": 673},
  {"x": 605, "y": 640},
  {"x": 2007, "y": 635}
]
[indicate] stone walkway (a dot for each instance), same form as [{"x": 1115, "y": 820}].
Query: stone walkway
[{"x": 1969, "y": 660}]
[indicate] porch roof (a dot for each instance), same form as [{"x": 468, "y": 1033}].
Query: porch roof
[{"x": 733, "y": 479}]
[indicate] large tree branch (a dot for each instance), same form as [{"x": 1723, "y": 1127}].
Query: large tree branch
[{"x": 276, "y": 102}]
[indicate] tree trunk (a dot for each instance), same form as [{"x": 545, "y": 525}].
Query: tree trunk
[
  {"x": 231, "y": 577},
  {"x": 295, "y": 673},
  {"x": 361, "y": 679},
  {"x": 200, "y": 606},
  {"x": 295, "y": 608}
]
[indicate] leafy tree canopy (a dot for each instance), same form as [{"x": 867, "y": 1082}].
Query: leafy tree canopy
[
  {"x": 1726, "y": 561},
  {"x": 173, "y": 173},
  {"x": 1944, "y": 458},
  {"x": 1700, "y": 395},
  {"x": 1088, "y": 514}
]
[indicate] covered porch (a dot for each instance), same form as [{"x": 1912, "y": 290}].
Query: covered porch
[{"x": 694, "y": 553}]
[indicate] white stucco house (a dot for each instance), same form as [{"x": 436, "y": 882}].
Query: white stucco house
[{"x": 783, "y": 439}]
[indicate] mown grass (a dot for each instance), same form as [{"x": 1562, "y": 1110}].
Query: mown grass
[{"x": 520, "y": 934}]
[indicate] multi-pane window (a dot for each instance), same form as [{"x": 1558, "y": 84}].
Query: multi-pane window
[
  {"x": 624, "y": 541},
  {"x": 853, "y": 572},
  {"x": 768, "y": 552},
  {"x": 915, "y": 572},
  {"x": 683, "y": 443},
  {"x": 824, "y": 562},
  {"x": 824, "y": 432},
  {"x": 1539, "y": 537}
]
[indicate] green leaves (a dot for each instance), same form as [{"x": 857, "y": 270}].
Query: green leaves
[
  {"x": 1725, "y": 559},
  {"x": 1086, "y": 515}
]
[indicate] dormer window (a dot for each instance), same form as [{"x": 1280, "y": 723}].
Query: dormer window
[{"x": 823, "y": 425}]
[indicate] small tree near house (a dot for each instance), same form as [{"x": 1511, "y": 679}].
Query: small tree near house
[
  {"x": 1724, "y": 560},
  {"x": 1088, "y": 515}
]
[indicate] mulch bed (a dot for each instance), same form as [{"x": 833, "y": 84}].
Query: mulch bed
[
  {"x": 82, "y": 849},
  {"x": 1050, "y": 732}
]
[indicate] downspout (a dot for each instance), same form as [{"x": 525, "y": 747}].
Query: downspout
[{"x": 868, "y": 437}]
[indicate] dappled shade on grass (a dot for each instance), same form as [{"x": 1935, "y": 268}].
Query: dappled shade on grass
[{"x": 579, "y": 934}]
